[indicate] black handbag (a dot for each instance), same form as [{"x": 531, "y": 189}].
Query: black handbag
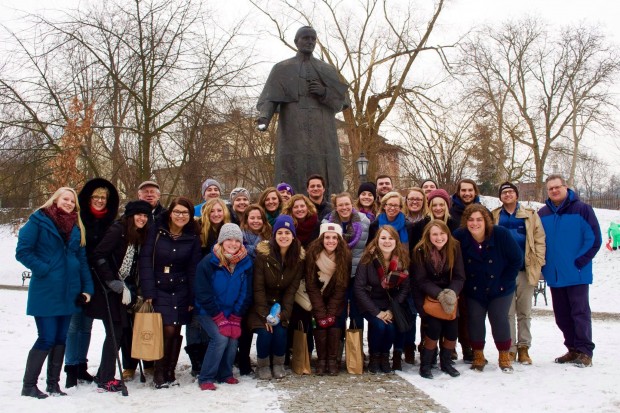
[{"x": 403, "y": 319}]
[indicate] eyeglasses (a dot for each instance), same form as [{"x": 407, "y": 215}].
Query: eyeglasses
[
  {"x": 416, "y": 200},
  {"x": 179, "y": 214},
  {"x": 392, "y": 206},
  {"x": 555, "y": 188},
  {"x": 99, "y": 198}
]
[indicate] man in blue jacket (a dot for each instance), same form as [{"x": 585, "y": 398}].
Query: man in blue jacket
[{"x": 573, "y": 238}]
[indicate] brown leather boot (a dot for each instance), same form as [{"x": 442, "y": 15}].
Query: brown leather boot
[
  {"x": 569, "y": 357},
  {"x": 523, "y": 355},
  {"x": 505, "y": 364},
  {"x": 320, "y": 343},
  {"x": 333, "y": 344},
  {"x": 479, "y": 361}
]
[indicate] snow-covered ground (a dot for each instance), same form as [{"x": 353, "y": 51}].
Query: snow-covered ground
[{"x": 544, "y": 386}]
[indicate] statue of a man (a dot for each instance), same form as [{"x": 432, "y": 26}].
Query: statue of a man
[{"x": 307, "y": 93}]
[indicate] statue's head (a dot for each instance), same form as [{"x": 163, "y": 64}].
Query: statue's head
[{"x": 305, "y": 39}]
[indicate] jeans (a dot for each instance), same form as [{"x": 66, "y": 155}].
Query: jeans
[
  {"x": 220, "y": 355},
  {"x": 268, "y": 344},
  {"x": 78, "y": 339},
  {"x": 52, "y": 331},
  {"x": 521, "y": 309},
  {"x": 497, "y": 309},
  {"x": 380, "y": 335}
]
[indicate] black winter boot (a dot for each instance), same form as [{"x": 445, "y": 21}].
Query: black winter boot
[
  {"x": 83, "y": 374},
  {"x": 196, "y": 353},
  {"x": 34, "y": 364},
  {"x": 445, "y": 360},
  {"x": 54, "y": 366},
  {"x": 169, "y": 373},
  {"x": 71, "y": 372},
  {"x": 397, "y": 360},
  {"x": 426, "y": 363},
  {"x": 384, "y": 362},
  {"x": 374, "y": 364}
]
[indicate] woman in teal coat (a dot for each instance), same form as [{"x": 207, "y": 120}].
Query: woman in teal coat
[{"x": 51, "y": 245}]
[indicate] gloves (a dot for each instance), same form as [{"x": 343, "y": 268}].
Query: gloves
[
  {"x": 222, "y": 324},
  {"x": 273, "y": 319},
  {"x": 116, "y": 285},
  {"x": 126, "y": 295},
  {"x": 326, "y": 322},
  {"x": 581, "y": 262},
  {"x": 447, "y": 299},
  {"x": 235, "y": 326}
]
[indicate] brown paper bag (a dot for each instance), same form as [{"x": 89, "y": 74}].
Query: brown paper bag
[
  {"x": 148, "y": 334},
  {"x": 300, "y": 360},
  {"x": 353, "y": 346}
]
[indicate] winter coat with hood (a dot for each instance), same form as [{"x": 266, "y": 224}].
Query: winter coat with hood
[
  {"x": 218, "y": 290},
  {"x": 534, "y": 241},
  {"x": 573, "y": 237},
  {"x": 59, "y": 268},
  {"x": 167, "y": 270},
  {"x": 273, "y": 283},
  {"x": 96, "y": 227}
]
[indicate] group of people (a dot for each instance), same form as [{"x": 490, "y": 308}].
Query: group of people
[{"x": 232, "y": 269}]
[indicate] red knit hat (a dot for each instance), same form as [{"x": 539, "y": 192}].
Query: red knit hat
[{"x": 441, "y": 193}]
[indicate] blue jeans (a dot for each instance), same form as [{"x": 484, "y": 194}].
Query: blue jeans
[
  {"x": 78, "y": 339},
  {"x": 380, "y": 335},
  {"x": 52, "y": 331},
  {"x": 270, "y": 343},
  {"x": 408, "y": 337},
  {"x": 220, "y": 355}
]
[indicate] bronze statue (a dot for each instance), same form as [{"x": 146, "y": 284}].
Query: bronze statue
[{"x": 307, "y": 93}]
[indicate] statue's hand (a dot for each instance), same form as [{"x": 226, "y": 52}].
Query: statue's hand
[
  {"x": 262, "y": 124},
  {"x": 316, "y": 88}
]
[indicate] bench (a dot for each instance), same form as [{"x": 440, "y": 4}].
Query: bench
[
  {"x": 25, "y": 276},
  {"x": 541, "y": 288}
]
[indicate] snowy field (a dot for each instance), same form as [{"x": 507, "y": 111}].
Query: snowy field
[{"x": 542, "y": 387}]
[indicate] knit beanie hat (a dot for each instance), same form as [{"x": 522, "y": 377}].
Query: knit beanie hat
[
  {"x": 239, "y": 192},
  {"x": 209, "y": 182},
  {"x": 284, "y": 221},
  {"x": 137, "y": 207},
  {"x": 441, "y": 193},
  {"x": 330, "y": 227},
  {"x": 508, "y": 185},
  {"x": 283, "y": 186},
  {"x": 367, "y": 186},
  {"x": 230, "y": 231}
]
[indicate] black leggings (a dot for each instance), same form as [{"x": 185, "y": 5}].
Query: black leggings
[{"x": 435, "y": 328}]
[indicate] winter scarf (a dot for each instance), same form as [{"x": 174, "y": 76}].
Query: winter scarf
[
  {"x": 63, "y": 221},
  {"x": 385, "y": 274},
  {"x": 250, "y": 241},
  {"x": 371, "y": 217},
  {"x": 271, "y": 216},
  {"x": 306, "y": 228},
  {"x": 229, "y": 261},
  {"x": 125, "y": 270},
  {"x": 98, "y": 214},
  {"x": 327, "y": 268},
  {"x": 354, "y": 228},
  {"x": 438, "y": 259},
  {"x": 398, "y": 224}
]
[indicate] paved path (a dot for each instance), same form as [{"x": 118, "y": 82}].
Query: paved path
[{"x": 350, "y": 393}]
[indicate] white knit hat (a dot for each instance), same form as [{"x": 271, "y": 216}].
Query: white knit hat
[{"x": 330, "y": 227}]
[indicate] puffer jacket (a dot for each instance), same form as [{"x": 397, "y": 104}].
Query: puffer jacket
[
  {"x": 59, "y": 270},
  {"x": 273, "y": 284},
  {"x": 358, "y": 249},
  {"x": 534, "y": 241}
]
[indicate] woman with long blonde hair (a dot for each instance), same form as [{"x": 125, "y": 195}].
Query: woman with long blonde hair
[{"x": 214, "y": 214}]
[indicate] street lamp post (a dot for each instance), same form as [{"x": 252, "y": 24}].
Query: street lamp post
[{"x": 362, "y": 167}]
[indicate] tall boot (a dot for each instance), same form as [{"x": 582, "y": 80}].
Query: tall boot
[
  {"x": 278, "y": 367},
  {"x": 384, "y": 363},
  {"x": 320, "y": 341},
  {"x": 333, "y": 344},
  {"x": 169, "y": 376},
  {"x": 374, "y": 363},
  {"x": 410, "y": 354},
  {"x": 397, "y": 360},
  {"x": 445, "y": 360},
  {"x": 71, "y": 372},
  {"x": 34, "y": 364},
  {"x": 159, "y": 366},
  {"x": 54, "y": 366},
  {"x": 426, "y": 363},
  {"x": 263, "y": 370},
  {"x": 196, "y": 353}
]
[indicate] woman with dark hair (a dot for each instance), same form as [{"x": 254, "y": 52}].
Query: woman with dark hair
[
  {"x": 382, "y": 276},
  {"x": 52, "y": 246},
  {"x": 98, "y": 208},
  {"x": 116, "y": 276},
  {"x": 328, "y": 266},
  {"x": 365, "y": 202},
  {"x": 278, "y": 269},
  {"x": 492, "y": 261},
  {"x": 255, "y": 228},
  {"x": 167, "y": 268},
  {"x": 439, "y": 274},
  {"x": 271, "y": 201},
  {"x": 239, "y": 201}
]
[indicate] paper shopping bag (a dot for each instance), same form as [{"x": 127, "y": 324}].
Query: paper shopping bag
[
  {"x": 353, "y": 347},
  {"x": 148, "y": 334},
  {"x": 300, "y": 360}
]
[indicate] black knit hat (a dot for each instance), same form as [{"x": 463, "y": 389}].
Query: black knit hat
[
  {"x": 137, "y": 207},
  {"x": 367, "y": 186},
  {"x": 508, "y": 185}
]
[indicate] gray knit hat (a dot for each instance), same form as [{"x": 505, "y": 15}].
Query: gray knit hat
[
  {"x": 230, "y": 231},
  {"x": 209, "y": 182},
  {"x": 239, "y": 192}
]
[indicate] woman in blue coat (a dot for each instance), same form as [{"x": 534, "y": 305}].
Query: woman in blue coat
[
  {"x": 168, "y": 263},
  {"x": 492, "y": 261},
  {"x": 51, "y": 245},
  {"x": 223, "y": 296}
]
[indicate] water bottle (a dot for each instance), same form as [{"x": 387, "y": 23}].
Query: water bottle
[{"x": 274, "y": 315}]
